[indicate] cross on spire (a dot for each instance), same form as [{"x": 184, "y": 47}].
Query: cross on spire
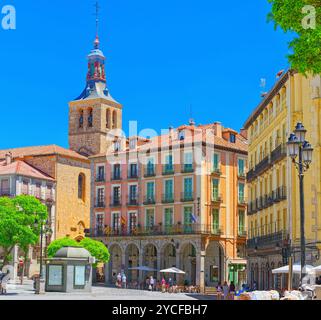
[{"x": 97, "y": 16}]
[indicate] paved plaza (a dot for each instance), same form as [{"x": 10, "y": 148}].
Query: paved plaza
[{"x": 26, "y": 292}]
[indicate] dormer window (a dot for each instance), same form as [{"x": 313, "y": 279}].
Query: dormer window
[
  {"x": 181, "y": 135},
  {"x": 116, "y": 146},
  {"x": 90, "y": 119},
  {"x": 132, "y": 144},
  {"x": 232, "y": 138},
  {"x": 81, "y": 119}
]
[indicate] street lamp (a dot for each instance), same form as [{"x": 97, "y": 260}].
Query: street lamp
[{"x": 299, "y": 147}]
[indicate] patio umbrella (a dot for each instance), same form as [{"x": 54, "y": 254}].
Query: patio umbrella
[
  {"x": 172, "y": 270},
  {"x": 316, "y": 270},
  {"x": 143, "y": 268},
  {"x": 296, "y": 269}
]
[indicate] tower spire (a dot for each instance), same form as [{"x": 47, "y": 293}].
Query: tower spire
[{"x": 96, "y": 43}]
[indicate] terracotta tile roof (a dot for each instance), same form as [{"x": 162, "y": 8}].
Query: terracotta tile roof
[
  {"x": 23, "y": 169},
  {"x": 41, "y": 150},
  {"x": 202, "y": 133}
]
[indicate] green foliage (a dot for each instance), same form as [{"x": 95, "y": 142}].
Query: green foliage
[
  {"x": 17, "y": 222},
  {"x": 60, "y": 243},
  {"x": 306, "y": 45},
  {"x": 97, "y": 249}
]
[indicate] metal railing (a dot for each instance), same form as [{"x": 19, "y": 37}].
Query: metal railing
[
  {"x": 100, "y": 204},
  {"x": 268, "y": 240},
  {"x": 278, "y": 153},
  {"x": 187, "y": 197},
  {"x": 168, "y": 198},
  {"x": 149, "y": 200},
  {"x": 176, "y": 229},
  {"x": 100, "y": 179},
  {"x": 115, "y": 202},
  {"x": 150, "y": 172},
  {"x": 168, "y": 169},
  {"x": 187, "y": 168}
]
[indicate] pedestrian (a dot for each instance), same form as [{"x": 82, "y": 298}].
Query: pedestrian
[
  {"x": 152, "y": 283},
  {"x": 232, "y": 287},
  {"x": 124, "y": 280},
  {"x": 163, "y": 285},
  {"x": 225, "y": 290},
  {"x": 254, "y": 286},
  {"x": 147, "y": 283},
  {"x": 118, "y": 282}
]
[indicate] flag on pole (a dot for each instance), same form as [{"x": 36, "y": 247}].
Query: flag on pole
[
  {"x": 193, "y": 218},
  {"x": 123, "y": 221}
]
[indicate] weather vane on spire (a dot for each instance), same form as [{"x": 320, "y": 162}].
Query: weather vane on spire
[{"x": 97, "y": 24}]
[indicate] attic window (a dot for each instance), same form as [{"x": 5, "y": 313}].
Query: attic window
[
  {"x": 132, "y": 144},
  {"x": 181, "y": 135},
  {"x": 232, "y": 138}
]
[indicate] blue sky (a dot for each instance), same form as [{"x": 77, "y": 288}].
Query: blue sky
[{"x": 163, "y": 56}]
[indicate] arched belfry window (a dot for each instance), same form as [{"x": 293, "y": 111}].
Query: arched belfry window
[
  {"x": 90, "y": 118},
  {"x": 81, "y": 118},
  {"x": 114, "y": 119},
  {"x": 108, "y": 120},
  {"x": 81, "y": 186}
]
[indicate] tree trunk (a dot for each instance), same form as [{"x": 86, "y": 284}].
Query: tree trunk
[
  {"x": 26, "y": 252},
  {"x": 7, "y": 252}
]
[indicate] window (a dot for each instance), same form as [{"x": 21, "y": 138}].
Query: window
[
  {"x": 90, "y": 118},
  {"x": 216, "y": 220},
  {"x": 116, "y": 171},
  {"x": 5, "y": 187},
  {"x": 114, "y": 119},
  {"x": 81, "y": 119},
  {"x": 169, "y": 220},
  {"x": 241, "y": 167},
  {"x": 38, "y": 190},
  {"x": 132, "y": 144},
  {"x": 116, "y": 146},
  {"x": 150, "y": 218},
  {"x": 169, "y": 163},
  {"x": 100, "y": 197},
  {"x": 116, "y": 195},
  {"x": 116, "y": 222},
  {"x": 101, "y": 173},
  {"x": 188, "y": 188},
  {"x": 25, "y": 187},
  {"x": 188, "y": 161},
  {"x": 188, "y": 219},
  {"x": 181, "y": 135},
  {"x": 100, "y": 223},
  {"x": 108, "y": 126},
  {"x": 150, "y": 167},
  {"x": 216, "y": 162},
  {"x": 241, "y": 192},
  {"x": 232, "y": 138},
  {"x": 133, "y": 194},
  {"x": 215, "y": 189},
  {"x": 81, "y": 187},
  {"x": 132, "y": 221},
  {"x": 133, "y": 172},
  {"x": 241, "y": 222},
  {"x": 150, "y": 191},
  {"x": 169, "y": 190}
]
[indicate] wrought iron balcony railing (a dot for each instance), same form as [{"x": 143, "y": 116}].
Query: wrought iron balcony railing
[
  {"x": 187, "y": 168},
  {"x": 115, "y": 202},
  {"x": 168, "y": 169},
  {"x": 149, "y": 200},
  {"x": 168, "y": 198},
  {"x": 187, "y": 197}
]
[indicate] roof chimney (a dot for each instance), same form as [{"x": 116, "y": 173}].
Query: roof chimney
[
  {"x": 218, "y": 129},
  {"x": 8, "y": 158}
]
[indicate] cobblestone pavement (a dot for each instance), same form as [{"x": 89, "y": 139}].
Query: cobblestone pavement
[{"x": 26, "y": 292}]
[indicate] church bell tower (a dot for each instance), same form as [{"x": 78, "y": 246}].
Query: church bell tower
[{"x": 94, "y": 113}]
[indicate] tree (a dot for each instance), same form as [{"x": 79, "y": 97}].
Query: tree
[
  {"x": 60, "y": 243},
  {"x": 303, "y": 18},
  {"x": 96, "y": 249},
  {"x": 17, "y": 223}
]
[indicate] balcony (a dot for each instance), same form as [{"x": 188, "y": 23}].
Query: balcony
[
  {"x": 132, "y": 201},
  {"x": 252, "y": 207},
  {"x": 279, "y": 153},
  {"x": 100, "y": 179},
  {"x": 168, "y": 198},
  {"x": 116, "y": 177},
  {"x": 187, "y": 168},
  {"x": 242, "y": 233},
  {"x": 268, "y": 240},
  {"x": 264, "y": 165},
  {"x": 241, "y": 175},
  {"x": 279, "y": 194},
  {"x": 149, "y": 200},
  {"x": 251, "y": 175},
  {"x": 100, "y": 205},
  {"x": 216, "y": 172},
  {"x": 132, "y": 175},
  {"x": 115, "y": 203},
  {"x": 242, "y": 202},
  {"x": 157, "y": 230},
  {"x": 168, "y": 170},
  {"x": 150, "y": 172},
  {"x": 187, "y": 197},
  {"x": 217, "y": 199}
]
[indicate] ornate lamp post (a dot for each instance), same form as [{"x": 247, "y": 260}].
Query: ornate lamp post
[{"x": 299, "y": 147}]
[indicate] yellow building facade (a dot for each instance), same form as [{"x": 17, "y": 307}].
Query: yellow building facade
[{"x": 273, "y": 184}]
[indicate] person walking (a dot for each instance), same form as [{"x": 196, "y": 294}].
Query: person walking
[
  {"x": 118, "y": 282},
  {"x": 152, "y": 283},
  {"x": 147, "y": 283},
  {"x": 226, "y": 290},
  {"x": 124, "y": 280},
  {"x": 163, "y": 285},
  {"x": 232, "y": 287}
]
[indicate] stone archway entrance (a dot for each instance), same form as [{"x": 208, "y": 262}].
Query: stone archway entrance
[
  {"x": 169, "y": 256},
  {"x": 115, "y": 262},
  {"x": 214, "y": 264},
  {"x": 188, "y": 263},
  {"x": 150, "y": 260},
  {"x": 132, "y": 261}
]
